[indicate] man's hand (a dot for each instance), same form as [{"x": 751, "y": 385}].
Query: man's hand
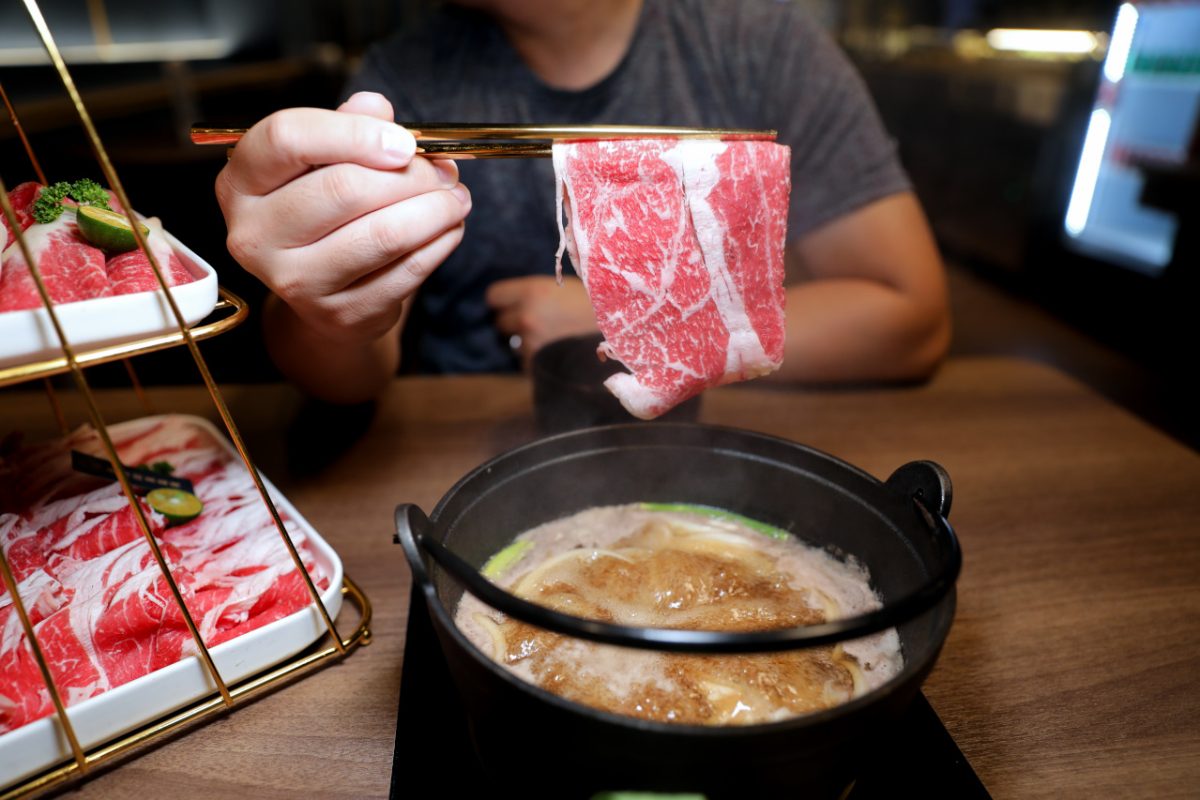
[
  {"x": 335, "y": 214},
  {"x": 538, "y": 310}
]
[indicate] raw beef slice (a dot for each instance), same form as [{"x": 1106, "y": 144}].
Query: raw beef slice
[
  {"x": 70, "y": 267},
  {"x": 680, "y": 246},
  {"x": 131, "y": 272},
  {"x": 21, "y": 199}
]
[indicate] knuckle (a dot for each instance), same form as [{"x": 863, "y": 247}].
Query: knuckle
[
  {"x": 229, "y": 196},
  {"x": 240, "y": 247},
  {"x": 414, "y": 267},
  {"x": 222, "y": 189},
  {"x": 341, "y": 315},
  {"x": 527, "y": 321},
  {"x": 339, "y": 186},
  {"x": 291, "y": 289},
  {"x": 337, "y": 313},
  {"x": 366, "y": 134},
  {"x": 384, "y": 237},
  {"x": 278, "y": 132},
  {"x": 354, "y": 316},
  {"x": 323, "y": 306}
]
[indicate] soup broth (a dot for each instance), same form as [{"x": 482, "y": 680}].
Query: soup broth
[{"x": 688, "y": 569}]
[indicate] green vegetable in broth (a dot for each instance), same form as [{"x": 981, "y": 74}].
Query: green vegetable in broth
[
  {"x": 719, "y": 513},
  {"x": 500, "y": 563}
]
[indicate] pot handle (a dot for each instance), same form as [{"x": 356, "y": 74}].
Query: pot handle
[
  {"x": 926, "y": 482},
  {"x": 411, "y": 525}
]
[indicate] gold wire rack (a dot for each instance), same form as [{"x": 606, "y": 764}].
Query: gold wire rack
[{"x": 230, "y": 311}]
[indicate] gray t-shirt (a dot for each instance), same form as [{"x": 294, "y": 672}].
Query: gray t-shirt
[{"x": 711, "y": 63}]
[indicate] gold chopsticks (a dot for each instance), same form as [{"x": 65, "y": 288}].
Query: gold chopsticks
[
  {"x": 464, "y": 150},
  {"x": 484, "y": 140},
  {"x": 467, "y": 130}
]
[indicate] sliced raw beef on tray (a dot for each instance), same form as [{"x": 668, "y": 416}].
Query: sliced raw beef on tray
[
  {"x": 120, "y": 623},
  {"x": 105, "y": 521},
  {"x": 21, "y": 199},
  {"x": 102, "y": 611},
  {"x": 70, "y": 267},
  {"x": 680, "y": 246},
  {"x": 131, "y": 272}
]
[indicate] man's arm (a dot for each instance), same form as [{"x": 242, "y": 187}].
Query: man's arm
[
  {"x": 870, "y": 303},
  {"x": 333, "y": 371}
]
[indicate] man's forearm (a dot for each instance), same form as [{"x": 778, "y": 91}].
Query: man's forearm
[
  {"x": 332, "y": 371},
  {"x": 869, "y": 303},
  {"x": 846, "y": 330}
]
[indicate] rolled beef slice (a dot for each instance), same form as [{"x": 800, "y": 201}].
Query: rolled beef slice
[
  {"x": 21, "y": 199},
  {"x": 70, "y": 267},
  {"x": 131, "y": 272}
]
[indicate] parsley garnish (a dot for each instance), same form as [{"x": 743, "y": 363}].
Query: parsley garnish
[{"x": 49, "y": 204}]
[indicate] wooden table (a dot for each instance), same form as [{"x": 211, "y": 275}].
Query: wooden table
[{"x": 1071, "y": 667}]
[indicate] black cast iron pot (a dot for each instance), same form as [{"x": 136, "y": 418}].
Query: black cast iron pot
[{"x": 557, "y": 748}]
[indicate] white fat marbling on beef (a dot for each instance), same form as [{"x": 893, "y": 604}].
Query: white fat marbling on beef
[
  {"x": 695, "y": 163},
  {"x": 71, "y": 269}
]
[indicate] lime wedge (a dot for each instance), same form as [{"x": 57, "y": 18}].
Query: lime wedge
[
  {"x": 176, "y": 505},
  {"x": 106, "y": 229}
]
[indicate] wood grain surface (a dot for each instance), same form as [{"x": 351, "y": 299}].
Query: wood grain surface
[{"x": 1070, "y": 670}]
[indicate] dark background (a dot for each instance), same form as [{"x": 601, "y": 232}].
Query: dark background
[{"x": 991, "y": 145}]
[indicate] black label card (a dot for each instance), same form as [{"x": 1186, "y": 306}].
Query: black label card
[{"x": 144, "y": 478}]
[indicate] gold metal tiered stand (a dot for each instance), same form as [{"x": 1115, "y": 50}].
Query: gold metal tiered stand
[{"x": 229, "y": 312}]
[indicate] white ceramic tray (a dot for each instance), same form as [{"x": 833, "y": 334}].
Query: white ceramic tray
[
  {"x": 41, "y": 744},
  {"x": 28, "y": 336}
]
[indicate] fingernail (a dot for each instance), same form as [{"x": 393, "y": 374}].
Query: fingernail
[
  {"x": 463, "y": 195},
  {"x": 398, "y": 142},
  {"x": 448, "y": 170}
]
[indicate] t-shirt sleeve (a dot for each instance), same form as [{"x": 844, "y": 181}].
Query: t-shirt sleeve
[{"x": 842, "y": 157}]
